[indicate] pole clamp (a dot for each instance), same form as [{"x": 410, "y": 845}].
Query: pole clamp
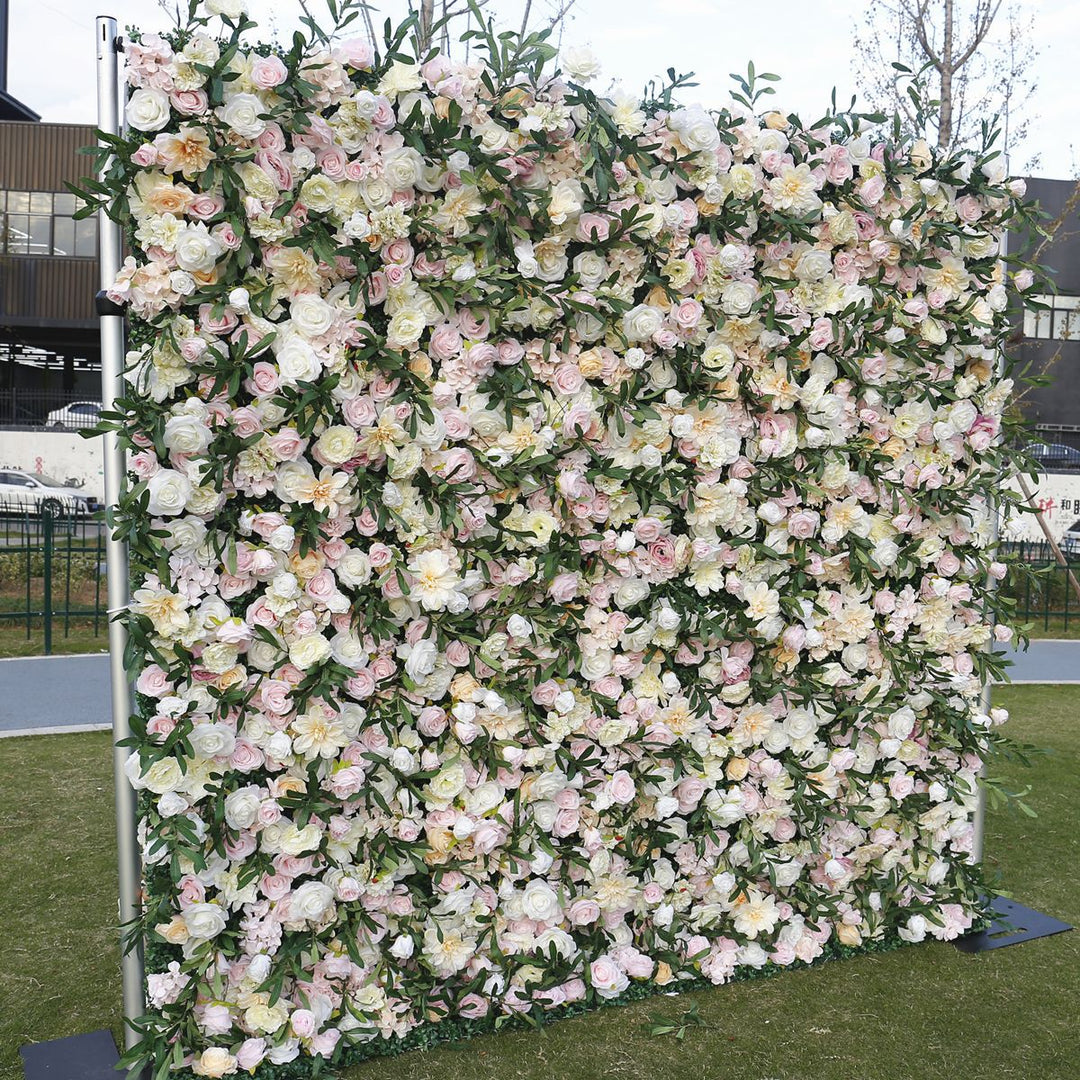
[{"x": 104, "y": 306}]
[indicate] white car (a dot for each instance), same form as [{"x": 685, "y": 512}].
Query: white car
[
  {"x": 33, "y": 490},
  {"x": 76, "y": 414},
  {"x": 1070, "y": 542}
]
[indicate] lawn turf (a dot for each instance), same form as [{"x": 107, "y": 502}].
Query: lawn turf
[{"x": 926, "y": 1012}]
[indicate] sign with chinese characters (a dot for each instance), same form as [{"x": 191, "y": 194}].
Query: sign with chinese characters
[{"x": 1057, "y": 495}]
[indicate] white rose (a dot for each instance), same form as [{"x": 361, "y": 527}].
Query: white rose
[
  {"x": 148, "y": 110},
  {"x": 348, "y": 650},
  {"x": 540, "y": 902},
  {"x": 580, "y": 64},
  {"x": 211, "y": 741},
  {"x": 242, "y": 807},
  {"x": 196, "y": 250},
  {"x": 311, "y": 315},
  {"x": 403, "y": 947},
  {"x": 242, "y": 113},
  {"x": 737, "y": 297},
  {"x": 214, "y": 1061},
  {"x": 169, "y": 491},
  {"x": 163, "y": 776},
  {"x": 186, "y": 434},
  {"x": 421, "y": 659},
  {"x": 231, "y": 9},
  {"x": 309, "y": 651},
  {"x": 597, "y": 664},
  {"x": 406, "y": 326},
  {"x": 813, "y": 265},
  {"x": 205, "y": 920},
  {"x": 310, "y": 901},
  {"x": 630, "y": 592},
  {"x": 695, "y": 128},
  {"x": 641, "y": 322},
  {"x": 297, "y": 361},
  {"x": 354, "y": 568},
  {"x": 566, "y": 201},
  {"x": 402, "y": 167},
  {"x": 337, "y": 444},
  {"x": 518, "y": 627}
]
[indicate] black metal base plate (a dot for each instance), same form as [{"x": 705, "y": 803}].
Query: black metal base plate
[
  {"x": 1013, "y": 924},
  {"x": 78, "y": 1057}
]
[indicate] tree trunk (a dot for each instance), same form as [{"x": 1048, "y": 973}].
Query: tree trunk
[
  {"x": 946, "y": 111},
  {"x": 427, "y": 21}
]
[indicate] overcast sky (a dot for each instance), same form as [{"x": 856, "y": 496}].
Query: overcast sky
[{"x": 807, "y": 42}]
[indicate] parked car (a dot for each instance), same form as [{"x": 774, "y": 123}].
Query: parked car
[
  {"x": 1070, "y": 542},
  {"x": 76, "y": 414},
  {"x": 27, "y": 489},
  {"x": 1054, "y": 455}
]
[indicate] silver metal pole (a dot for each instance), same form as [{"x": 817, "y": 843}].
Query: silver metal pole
[
  {"x": 110, "y": 246},
  {"x": 985, "y": 697}
]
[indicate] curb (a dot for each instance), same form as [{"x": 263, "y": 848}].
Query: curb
[{"x": 56, "y": 729}]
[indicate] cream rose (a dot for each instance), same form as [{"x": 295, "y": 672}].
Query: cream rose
[{"x": 148, "y": 110}]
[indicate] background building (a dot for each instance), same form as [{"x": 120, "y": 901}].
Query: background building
[
  {"x": 1050, "y": 340},
  {"x": 49, "y": 352}
]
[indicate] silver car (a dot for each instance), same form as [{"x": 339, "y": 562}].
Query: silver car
[{"x": 34, "y": 490}]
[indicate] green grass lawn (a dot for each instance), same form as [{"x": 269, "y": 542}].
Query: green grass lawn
[{"x": 926, "y": 1012}]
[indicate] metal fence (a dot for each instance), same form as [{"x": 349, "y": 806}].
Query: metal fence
[
  {"x": 52, "y": 577},
  {"x": 61, "y": 409},
  {"x": 1040, "y": 586}
]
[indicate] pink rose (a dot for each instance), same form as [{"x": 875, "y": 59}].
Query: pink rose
[
  {"x": 594, "y": 228},
  {"x": 189, "y": 102},
  {"x": 567, "y": 379},
  {"x": 621, "y": 787},
  {"x": 250, "y": 1054},
  {"x": 153, "y": 682},
  {"x": 355, "y": 53},
  {"x": 268, "y": 71}
]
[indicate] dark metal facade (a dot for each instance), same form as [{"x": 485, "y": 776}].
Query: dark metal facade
[
  {"x": 1055, "y": 408},
  {"x": 46, "y": 301}
]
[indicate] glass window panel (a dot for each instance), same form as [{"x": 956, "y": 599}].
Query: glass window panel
[
  {"x": 16, "y": 234},
  {"x": 64, "y": 236},
  {"x": 40, "y": 202},
  {"x": 86, "y": 237},
  {"x": 1066, "y": 325},
  {"x": 1037, "y": 324},
  {"x": 40, "y": 234},
  {"x": 63, "y": 203},
  {"x": 1066, "y": 303},
  {"x": 19, "y": 201}
]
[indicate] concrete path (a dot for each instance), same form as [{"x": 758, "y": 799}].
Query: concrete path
[
  {"x": 1052, "y": 660},
  {"x": 54, "y": 691},
  {"x": 71, "y": 693}
]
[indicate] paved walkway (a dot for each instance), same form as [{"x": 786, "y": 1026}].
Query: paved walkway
[
  {"x": 72, "y": 692},
  {"x": 54, "y": 691}
]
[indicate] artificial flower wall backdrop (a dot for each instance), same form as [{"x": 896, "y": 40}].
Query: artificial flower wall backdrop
[{"x": 563, "y": 532}]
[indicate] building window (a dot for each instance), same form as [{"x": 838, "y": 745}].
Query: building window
[
  {"x": 41, "y": 223},
  {"x": 1059, "y": 320}
]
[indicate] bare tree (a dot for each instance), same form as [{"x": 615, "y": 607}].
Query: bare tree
[
  {"x": 977, "y": 56},
  {"x": 451, "y": 14}
]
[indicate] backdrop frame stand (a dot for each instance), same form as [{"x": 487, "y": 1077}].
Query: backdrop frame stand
[{"x": 93, "y": 1056}]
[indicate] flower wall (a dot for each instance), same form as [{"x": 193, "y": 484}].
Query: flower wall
[{"x": 563, "y": 527}]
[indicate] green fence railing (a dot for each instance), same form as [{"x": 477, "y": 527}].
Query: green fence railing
[
  {"x": 52, "y": 577},
  {"x": 1040, "y": 585}
]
